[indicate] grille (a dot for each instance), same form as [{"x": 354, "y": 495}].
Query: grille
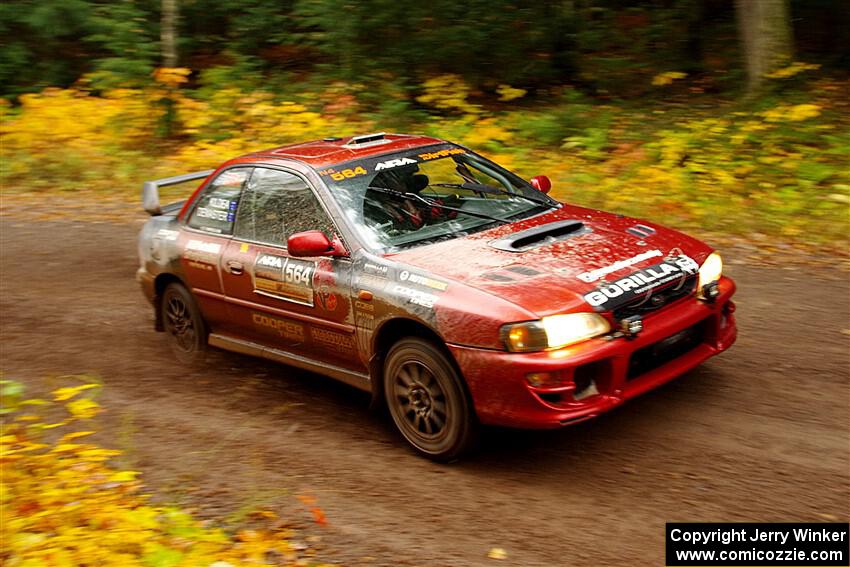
[
  {"x": 657, "y": 299},
  {"x": 652, "y": 356}
]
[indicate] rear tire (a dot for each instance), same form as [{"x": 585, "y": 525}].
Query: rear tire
[
  {"x": 184, "y": 326},
  {"x": 428, "y": 401}
]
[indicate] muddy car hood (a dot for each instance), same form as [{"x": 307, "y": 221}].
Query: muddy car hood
[{"x": 536, "y": 263}]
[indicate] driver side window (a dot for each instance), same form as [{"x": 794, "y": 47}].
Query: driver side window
[{"x": 276, "y": 205}]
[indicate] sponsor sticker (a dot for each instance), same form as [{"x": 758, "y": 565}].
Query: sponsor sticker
[
  {"x": 441, "y": 154},
  {"x": 216, "y": 214},
  {"x": 223, "y": 204},
  {"x": 202, "y": 251},
  {"x": 203, "y": 246},
  {"x": 347, "y": 173},
  {"x": 411, "y": 277},
  {"x": 327, "y": 299},
  {"x": 398, "y": 162},
  {"x": 376, "y": 269},
  {"x": 371, "y": 282},
  {"x": 595, "y": 275},
  {"x": 614, "y": 294},
  {"x": 332, "y": 339},
  {"x": 200, "y": 266},
  {"x": 285, "y": 278}
]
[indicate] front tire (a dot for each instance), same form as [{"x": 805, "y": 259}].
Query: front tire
[
  {"x": 184, "y": 325},
  {"x": 427, "y": 400}
]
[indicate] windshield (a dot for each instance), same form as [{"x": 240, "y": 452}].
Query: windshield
[{"x": 428, "y": 194}]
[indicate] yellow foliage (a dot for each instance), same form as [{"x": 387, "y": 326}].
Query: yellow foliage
[
  {"x": 507, "y": 93},
  {"x": 63, "y": 504},
  {"x": 62, "y": 394},
  {"x": 172, "y": 76},
  {"x": 448, "y": 93},
  {"x": 793, "y": 69},
  {"x": 68, "y": 119},
  {"x": 692, "y": 170},
  {"x": 70, "y": 131},
  {"x": 791, "y": 113},
  {"x": 667, "y": 78},
  {"x": 254, "y": 117},
  {"x": 83, "y": 409},
  {"x": 486, "y": 131}
]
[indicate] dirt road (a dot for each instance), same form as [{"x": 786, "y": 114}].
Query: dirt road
[{"x": 760, "y": 433}]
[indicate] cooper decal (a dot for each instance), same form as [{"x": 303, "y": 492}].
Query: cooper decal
[
  {"x": 285, "y": 278},
  {"x": 394, "y": 163},
  {"x": 283, "y": 327},
  {"x": 614, "y": 294},
  {"x": 599, "y": 273},
  {"x": 415, "y": 296}
]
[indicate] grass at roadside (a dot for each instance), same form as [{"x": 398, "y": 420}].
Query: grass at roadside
[
  {"x": 63, "y": 502},
  {"x": 775, "y": 170}
]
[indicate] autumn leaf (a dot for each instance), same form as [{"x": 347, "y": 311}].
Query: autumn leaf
[
  {"x": 62, "y": 394},
  {"x": 83, "y": 409},
  {"x": 63, "y": 503}
]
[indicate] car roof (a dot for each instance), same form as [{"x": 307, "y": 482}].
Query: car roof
[{"x": 331, "y": 151}]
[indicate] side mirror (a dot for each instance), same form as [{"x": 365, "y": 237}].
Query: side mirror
[
  {"x": 314, "y": 243},
  {"x": 541, "y": 183}
]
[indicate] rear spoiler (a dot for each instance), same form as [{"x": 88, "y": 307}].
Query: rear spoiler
[{"x": 150, "y": 189}]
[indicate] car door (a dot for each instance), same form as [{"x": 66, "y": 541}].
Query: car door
[
  {"x": 299, "y": 305},
  {"x": 204, "y": 239}
]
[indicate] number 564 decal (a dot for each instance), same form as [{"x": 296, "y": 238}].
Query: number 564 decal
[{"x": 285, "y": 278}]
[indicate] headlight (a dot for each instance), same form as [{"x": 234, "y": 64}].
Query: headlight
[
  {"x": 710, "y": 270},
  {"x": 553, "y": 332}
]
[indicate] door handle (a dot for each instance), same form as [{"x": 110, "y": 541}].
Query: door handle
[{"x": 235, "y": 267}]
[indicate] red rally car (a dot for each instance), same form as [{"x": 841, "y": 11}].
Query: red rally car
[{"x": 451, "y": 289}]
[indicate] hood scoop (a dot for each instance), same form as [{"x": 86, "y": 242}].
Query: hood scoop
[{"x": 540, "y": 235}]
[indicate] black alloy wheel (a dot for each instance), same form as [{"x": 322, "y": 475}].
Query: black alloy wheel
[
  {"x": 184, "y": 326},
  {"x": 428, "y": 401}
]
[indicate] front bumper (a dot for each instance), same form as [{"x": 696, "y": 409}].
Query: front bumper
[{"x": 616, "y": 369}]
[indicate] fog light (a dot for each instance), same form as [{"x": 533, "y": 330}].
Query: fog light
[
  {"x": 710, "y": 291},
  {"x": 544, "y": 379},
  {"x": 631, "y": 326}
]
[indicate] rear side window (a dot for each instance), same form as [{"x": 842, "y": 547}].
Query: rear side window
[
  {"x": 276, "y": 205},
  {"x": 216, "y": 208}
]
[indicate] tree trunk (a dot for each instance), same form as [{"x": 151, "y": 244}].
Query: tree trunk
[
  {"x": 168, "y": 33},
  {"x": 765, "y": 29}
]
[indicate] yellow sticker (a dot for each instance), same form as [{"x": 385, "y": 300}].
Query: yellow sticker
[{"x": 243, "y": 248}]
